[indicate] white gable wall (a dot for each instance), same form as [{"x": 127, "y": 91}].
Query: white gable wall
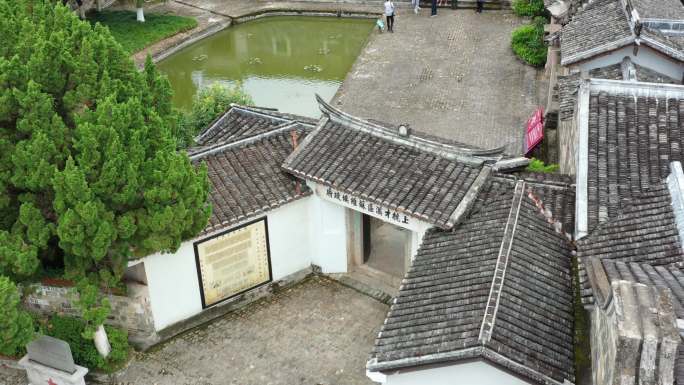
[
  {"x": 469, "y": 373},
  {"x": 646, "y": 57}
]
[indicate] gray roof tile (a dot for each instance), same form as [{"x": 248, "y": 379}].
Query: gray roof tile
[
  {"x": 631, "y": 141},
  {"x": 416, "y": 175},
  {"x": 245, "y": 175},
  {"x": 600, "y": 27},
  {"x": 444, "y": 297}
]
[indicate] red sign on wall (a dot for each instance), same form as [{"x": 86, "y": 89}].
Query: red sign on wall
[{"x": 535, "y": 130}]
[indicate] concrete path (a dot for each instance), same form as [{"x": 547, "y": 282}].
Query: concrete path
[{"x": 453, "y": 76}]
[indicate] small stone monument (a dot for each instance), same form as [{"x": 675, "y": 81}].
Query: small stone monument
[{"x": 49, "y": 361}]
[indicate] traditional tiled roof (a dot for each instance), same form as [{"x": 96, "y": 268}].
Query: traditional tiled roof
[
  {"x": 663, "y": 277},
  {"x": 644, "y": 231},
  {"x": 421, "y": 177},
  {"x": 600, "y": 27},
  {"x": 629, "y": 132},
  {"x": 606, "y": 25},
  {"x": 242, "y": 122},
  {"x": 568, "y": 85},
  {"x": 245, "y": 175},
  {"x": 495, "y": 287},
  {"x": 659, "y": 9}
]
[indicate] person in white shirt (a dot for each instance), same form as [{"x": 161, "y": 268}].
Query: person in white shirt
[
  {"x": 389, "y": 14},
  {"x": 416, "y": 6}
]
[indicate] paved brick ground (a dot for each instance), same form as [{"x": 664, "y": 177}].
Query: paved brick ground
[
  {"x": 318, "y": 332},
  {"x": 453, "y": 75}
]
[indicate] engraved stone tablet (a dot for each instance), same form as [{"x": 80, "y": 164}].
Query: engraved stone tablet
[{"x": 51, "y": 352}]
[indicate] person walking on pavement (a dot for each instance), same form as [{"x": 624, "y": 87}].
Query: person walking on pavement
[
  {"x": 416, "y": 6},
  {"x": 434, "y": 8},
  {"x": 389, "y": 14},
  {"x": 480, "y": 5}
]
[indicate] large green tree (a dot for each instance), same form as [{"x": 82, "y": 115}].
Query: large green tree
[{"x": 89, "y": 172}]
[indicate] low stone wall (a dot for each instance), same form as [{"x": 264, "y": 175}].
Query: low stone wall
[{"x": 131, "y": 312}]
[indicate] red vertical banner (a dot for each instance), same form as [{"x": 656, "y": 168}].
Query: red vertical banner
[{"x": 535, "y": 130}]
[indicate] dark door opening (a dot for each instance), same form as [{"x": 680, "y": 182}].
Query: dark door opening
[{"x": 384, "y": 246}]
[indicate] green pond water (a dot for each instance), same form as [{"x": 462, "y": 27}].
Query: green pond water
[{"x": 281, "y": 62}]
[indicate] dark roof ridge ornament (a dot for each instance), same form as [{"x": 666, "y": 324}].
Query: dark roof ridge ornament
[{"x": 449, "y": 151}]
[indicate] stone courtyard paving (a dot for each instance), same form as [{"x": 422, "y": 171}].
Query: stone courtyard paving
[
  {"x": 453, "y": 76},
  {"x": 318, "y": 332}
]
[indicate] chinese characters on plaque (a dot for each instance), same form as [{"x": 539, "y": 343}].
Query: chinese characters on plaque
[
  {"x": 233, "y": 262},
  {"x": 367, "y": 207}
]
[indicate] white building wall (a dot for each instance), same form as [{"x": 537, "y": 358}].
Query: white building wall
[
  {"x": 328, "y": 235},
  {"x": 173, "y": 286},
  {"x": 645, "y": 57},
  {"x": 172, "y": 278},
  {"x": 289, "y": 238},
  {"x": 470, "y": 373}
]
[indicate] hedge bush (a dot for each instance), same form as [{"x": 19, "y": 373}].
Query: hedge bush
[
  {"x": 528, "y": 43},
  {"x": 85, "y": 354},
  {"x": 528, "y": 7}
]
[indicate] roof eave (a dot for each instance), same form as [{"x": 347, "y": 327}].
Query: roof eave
[
  {"x": 600, "y": 50},
  {"x": 482, "y": 352}
]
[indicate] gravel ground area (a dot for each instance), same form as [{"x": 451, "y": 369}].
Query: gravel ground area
[{"x": 318, "y": 332}]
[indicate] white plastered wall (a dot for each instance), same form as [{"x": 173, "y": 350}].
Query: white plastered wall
[
  {"x": 293, "y": 238},
  {"x": 469, "y": 373},
  {"x": 645, "y": 57},
  {"x": 328, "y": 235}
]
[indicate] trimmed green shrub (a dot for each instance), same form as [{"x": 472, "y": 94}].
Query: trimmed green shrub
[
  {"x": 16, "y": 325},
  {"x": 528, "y": 43},
  {"x": 537, "y": 165},
  {"x": 70, "y": 329},
  {"x": 209, "y": 104},
  {"x": 528, "y": 7}
]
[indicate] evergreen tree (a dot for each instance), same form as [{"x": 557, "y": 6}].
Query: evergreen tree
[
  {"x": 16, "y": 325},
  {"x": 89, "y": 173}
]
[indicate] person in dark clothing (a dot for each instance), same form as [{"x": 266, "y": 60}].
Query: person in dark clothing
[
  {"x": 480, "y": 5},
  {"x": 434, "y": 8}
]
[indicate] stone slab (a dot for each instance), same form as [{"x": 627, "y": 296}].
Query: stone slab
[{"x": 51, "y": 352}]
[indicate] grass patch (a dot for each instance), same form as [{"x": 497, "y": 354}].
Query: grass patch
[
  {"x": 537, "y": 165},
  {"x": 134, "y": 36}
]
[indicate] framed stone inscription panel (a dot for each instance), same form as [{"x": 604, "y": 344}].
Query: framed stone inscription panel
[{"x": 233, "y": 262}]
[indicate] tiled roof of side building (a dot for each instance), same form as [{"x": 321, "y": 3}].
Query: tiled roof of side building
[
  {"x": 568, "y": 85},
  {"x": 246, "y": 178},
  {"x": 423, "y": 178},
  {"x": 600, "y": 27},
  {"x": 241, "y": 122},
  {"x": 629, "y": 132},
  {"x": 663, "y": 277},
  {"x": 495, "y": 287},
  {"x": 644, "y": 232},
  {"x": 659, "y": 9}
]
